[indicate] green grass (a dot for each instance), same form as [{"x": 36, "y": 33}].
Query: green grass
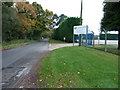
[
  {"x": 79, "y": 67},
  {"x": 16, "y": 43},
  {"x": 56, "y": 41},
  {"x": 110, "y": 49}
]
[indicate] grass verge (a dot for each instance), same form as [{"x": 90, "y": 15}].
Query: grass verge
[
  {"x": 56, "y": 41},
  {"x": 79, "y": 67},
  {"x": 15, "y": 43},
  {"x": 110, "y": 49}
]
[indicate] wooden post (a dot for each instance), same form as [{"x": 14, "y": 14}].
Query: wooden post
[
  {"x": 79, "y": 40},
  {"x": 73, "y": 39},
  {"x": 93, "y": 40},
  {"x": 105, "y": 40}
]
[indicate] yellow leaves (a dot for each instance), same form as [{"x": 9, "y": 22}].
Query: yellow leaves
[
  {"x": 23, "y": 7},
  {"x": 26, "y": 23},
  {"x": 25, "y": 11},
  {"x": 31, "y": 15},
  {"x": 33, "y": 22}
]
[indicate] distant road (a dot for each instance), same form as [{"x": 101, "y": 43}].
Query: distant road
[
  {"x": 109, "y": 42},
  {"x": 18, "y": 61}
]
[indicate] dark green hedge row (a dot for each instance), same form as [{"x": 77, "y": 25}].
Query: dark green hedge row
[
  {"x": 109, "y": 36},
  {"x": 66, "y": 29}
]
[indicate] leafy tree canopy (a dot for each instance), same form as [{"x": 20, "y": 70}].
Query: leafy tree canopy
[{"x": 111, "y": 19}]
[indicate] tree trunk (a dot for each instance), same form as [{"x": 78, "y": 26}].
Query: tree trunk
[{"x": 118, "y": 39}]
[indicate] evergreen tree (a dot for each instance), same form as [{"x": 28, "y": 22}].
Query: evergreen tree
[
  {"x": 111, "y": 19},
  {"x": 11, "y": 24}
]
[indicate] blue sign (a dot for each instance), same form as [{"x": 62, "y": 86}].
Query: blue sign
[
  {"x": 89, "y": 38},
  {"x": 77, "y": 38}
]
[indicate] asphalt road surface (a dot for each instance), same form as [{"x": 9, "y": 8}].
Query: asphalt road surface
[
  {"x": 17, "y": 62},
  {"x": 109, "y": 42}
]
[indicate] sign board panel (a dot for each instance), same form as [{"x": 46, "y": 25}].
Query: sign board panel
[
  {"x": 89, "y": 38},
  {"x": 80, "y": 29}
]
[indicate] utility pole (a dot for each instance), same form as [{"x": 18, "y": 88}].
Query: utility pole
[
  {"x": 80, "y": 36},
  {"x": 81, "y": 12}
]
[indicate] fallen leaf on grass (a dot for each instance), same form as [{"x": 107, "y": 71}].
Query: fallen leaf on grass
[
  {"x": 78, "y": 72},
  {"x": 60, "y": 86}
]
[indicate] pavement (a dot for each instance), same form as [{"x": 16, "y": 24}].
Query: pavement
[
  {"x": 53, "y": 46},
  {"x": 109, "y": 42}
]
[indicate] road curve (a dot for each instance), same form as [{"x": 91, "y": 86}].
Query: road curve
[{"x": 18, "y": 61}]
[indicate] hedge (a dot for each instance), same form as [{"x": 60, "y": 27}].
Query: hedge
[
  {"x": 109, "y": 36},
  {"x": 66, "y": 29}
]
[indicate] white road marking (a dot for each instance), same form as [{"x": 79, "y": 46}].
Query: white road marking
[
  {"x": 21, "y": 72},
  {"x": 21, "y": 87}
]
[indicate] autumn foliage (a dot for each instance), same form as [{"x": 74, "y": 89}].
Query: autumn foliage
[{"x": 24, "y": 20}]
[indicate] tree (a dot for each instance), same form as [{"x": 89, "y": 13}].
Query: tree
[
  {"x": 27, "y": 14},
  {"x": 11, "y": 24},
  {"x": 44, "y": 20},
  {"x": 26, "y": 21},
  {"x": 8, "y": 4},
  {"x": 62, "y": 17},
  {"x": 55, "y": 19},
  {"x": 111, "y": 19},
  {"x": 40, "y": 17}
]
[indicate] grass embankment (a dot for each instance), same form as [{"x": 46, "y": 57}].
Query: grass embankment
[
  {"x": 56, "y": 41},
  {"x": 79, "y": 67},
  {"x": 110, "y": 49},
  {"x": 15, "y": 43}
]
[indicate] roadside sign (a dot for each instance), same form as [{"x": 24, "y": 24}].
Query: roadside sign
[{"x": 80, "y": 29}]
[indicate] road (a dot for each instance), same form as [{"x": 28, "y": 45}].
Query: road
[
  {"x": 102, "y": 42},
  {"x": 109, "y": 42},
  {"x": 17, "y": 62}
]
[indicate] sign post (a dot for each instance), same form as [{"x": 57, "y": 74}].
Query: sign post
[
  {"x": 73, "y": 39},
  {"x": 79, "y": 40}
]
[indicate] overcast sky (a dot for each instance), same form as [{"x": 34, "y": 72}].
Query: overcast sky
[{"x": 92, "y": 10}]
